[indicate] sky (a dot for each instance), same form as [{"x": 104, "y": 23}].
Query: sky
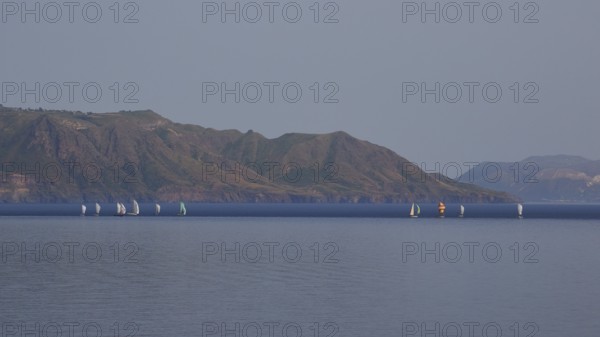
[{"x": 319, "y": 67}]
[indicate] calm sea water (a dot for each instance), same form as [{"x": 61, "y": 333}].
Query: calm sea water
[
  {"x": 545, "y": 211},
  {"x": 246, "y": 276}
]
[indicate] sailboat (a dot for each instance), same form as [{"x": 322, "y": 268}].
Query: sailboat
[
  {"x": 97, "y": 209},
  {"x": 182, "y": 210},
  {"x": 120, "y": 209},
  {"x": 83, "y": 208},
  {"x": 156, "y": 209},
  {"x": 412, "y": 211},
  {"x": 462, "y": 211},
  {"x": 441, "y": 209},
  {"x": 520, "y": 211},
  {"x": 135, "y": 209}
]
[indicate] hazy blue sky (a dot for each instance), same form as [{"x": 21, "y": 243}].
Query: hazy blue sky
[{"x": 369, "y": 53}]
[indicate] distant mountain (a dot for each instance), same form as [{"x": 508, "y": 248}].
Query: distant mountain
[
  {"x": 63, "y": 156},
  {"x": 542, "y": 178}
]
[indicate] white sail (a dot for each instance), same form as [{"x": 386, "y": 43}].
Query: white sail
[
  {"x": 462, "y": 211},
  {"x": 123, "y": 209},
  {"x": 97, "y": 209},
  {"x": 414, "y": 213},
  {"x": 520, "y": 210},
  {"x": 118, "y": 208},
  {"x": 83, "y": 209},
  {"x": 135, "y": 208},
  {"x": 156, "y": 209}
]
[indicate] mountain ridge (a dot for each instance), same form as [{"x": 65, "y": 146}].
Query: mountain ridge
[
  {"x": 553, "y": 178},
  {"x": 143, "y": 155}
]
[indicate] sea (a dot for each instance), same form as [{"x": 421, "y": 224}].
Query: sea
[{"x": 300, "y": 270}]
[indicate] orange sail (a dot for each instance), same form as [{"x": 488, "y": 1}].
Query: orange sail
[{"x": 441, "y": 208}]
